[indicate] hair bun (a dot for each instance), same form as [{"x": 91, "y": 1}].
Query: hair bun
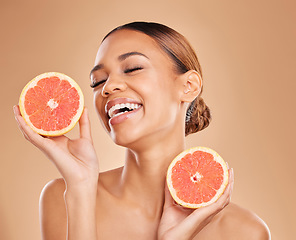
[{"x": 198, "y": 116}]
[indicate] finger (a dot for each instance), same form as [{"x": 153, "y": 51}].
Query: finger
[
  {"x": 231, "y": 173},
  {"x": 217, "y": 206},
  {"x": 16, "y": 110},
  {"x": 28, "y": 133},
  {"x": 202, "y": 216},
  {"x": 84, "y": 125},
  {"x": 16, "y": 114},
  {"x": 20, "y": 121},
  {"x": 224, "y": 200}
]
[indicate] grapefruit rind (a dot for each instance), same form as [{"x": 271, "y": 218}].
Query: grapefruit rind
[
  {"x": 220, "y": 191},
  {"x": 32, "y": 84}
]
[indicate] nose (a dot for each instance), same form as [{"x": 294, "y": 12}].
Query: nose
[{"x": 113, "y": 85}]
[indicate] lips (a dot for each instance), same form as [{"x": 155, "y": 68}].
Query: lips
[{"x": 120, "y": 106}]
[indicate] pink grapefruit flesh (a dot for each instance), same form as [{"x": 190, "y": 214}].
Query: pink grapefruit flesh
[
  {"x": 197, "y": 177},
  {"x": 51, "y": 104}
]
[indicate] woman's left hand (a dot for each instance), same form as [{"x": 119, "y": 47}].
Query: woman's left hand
[{"x": 182, "y": 223}]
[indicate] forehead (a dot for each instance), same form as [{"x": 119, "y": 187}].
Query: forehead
[{"x": 123, "y": 41}]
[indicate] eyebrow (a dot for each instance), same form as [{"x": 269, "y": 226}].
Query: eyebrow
[
  {"x": 120, "y": 58},
  {"x": 129, "y": 54}
]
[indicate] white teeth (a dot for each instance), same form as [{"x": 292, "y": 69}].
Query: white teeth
[
  {"x": 131, "y": 106},
  {"x": 117, "y": 114}
]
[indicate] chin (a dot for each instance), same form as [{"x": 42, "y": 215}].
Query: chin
[
  {"x": 134, "y": 138},
  {"x": 125, "y": 138}
]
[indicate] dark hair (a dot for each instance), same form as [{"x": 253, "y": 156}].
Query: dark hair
[{"x": 180, "y": 51}]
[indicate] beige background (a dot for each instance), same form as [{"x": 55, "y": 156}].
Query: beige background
[{"x": 247, "y": 51}]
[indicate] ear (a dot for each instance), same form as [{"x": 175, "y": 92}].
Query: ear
[{"x": 191, "y": 85}]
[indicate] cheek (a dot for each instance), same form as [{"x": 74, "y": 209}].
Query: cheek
[
  {"x": 163, "y": 91},
  {"x": 157, "y": 83},
  {"x": 161, "y": 100}
]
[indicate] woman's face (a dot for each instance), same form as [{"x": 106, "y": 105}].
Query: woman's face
[{"x": 135, "y": 90}]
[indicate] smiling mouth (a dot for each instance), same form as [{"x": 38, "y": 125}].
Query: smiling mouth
[{"x": 122, "y": 108}]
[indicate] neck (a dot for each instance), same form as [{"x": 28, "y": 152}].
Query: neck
[{"x": 145, "y": 170}]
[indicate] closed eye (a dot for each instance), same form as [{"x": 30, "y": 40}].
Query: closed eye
[
  {"x": 129, "y": 70},
  {"x": 95, "y": 84}
]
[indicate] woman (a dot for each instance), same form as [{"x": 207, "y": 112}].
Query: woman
[{"x": 147, "y": 84}]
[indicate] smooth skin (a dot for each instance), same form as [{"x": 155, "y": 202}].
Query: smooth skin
[{"x": 133, "y": 202}]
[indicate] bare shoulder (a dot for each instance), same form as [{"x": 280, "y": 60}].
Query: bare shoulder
[
  {"x": 53, "y": 217},
  {"x": 238, "y": 223},
  {"x": 53, "y": 193}
]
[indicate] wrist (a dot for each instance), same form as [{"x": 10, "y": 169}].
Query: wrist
[
  {"x": 82, "y": 183},
  {"x": 86, "y": 189}
]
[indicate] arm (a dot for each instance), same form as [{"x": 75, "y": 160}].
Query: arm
[
  {"x": 81, "y": 212},
  {"x": 73, "y": 205}
]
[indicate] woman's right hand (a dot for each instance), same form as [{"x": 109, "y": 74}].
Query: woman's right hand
[
  {"x": 75, "y": 159},
  {"x": 179, "y": 223}
]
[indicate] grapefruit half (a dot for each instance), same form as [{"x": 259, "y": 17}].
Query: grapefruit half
[
  {"x": 51, "y": 103},
  {"x": 197, "y": 177}
]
